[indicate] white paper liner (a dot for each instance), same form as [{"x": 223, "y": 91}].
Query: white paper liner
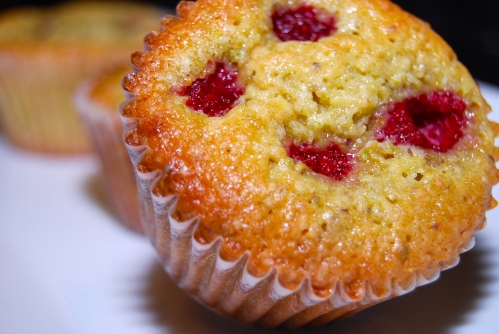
[
  {"x": 105, "y": 130},
  {"x": 227, "y": 287}
]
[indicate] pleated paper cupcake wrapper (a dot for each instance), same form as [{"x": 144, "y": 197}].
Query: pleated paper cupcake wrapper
[
  {"x": 228, "y": 287},
  {"x": 36, "y": 96},
  {"x": 105, "y": 130},
  {"x": 36, "y": 107}
]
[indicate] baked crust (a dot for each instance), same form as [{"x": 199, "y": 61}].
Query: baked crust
[{"x": 403, "y": 212}]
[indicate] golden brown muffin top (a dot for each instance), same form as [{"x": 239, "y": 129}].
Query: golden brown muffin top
[
  {"x": 402, "y": 211},
  {"x": 79, "y": 23},
  {"x": 105, "y": 90}
]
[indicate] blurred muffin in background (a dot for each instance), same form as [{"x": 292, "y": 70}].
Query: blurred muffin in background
[
  {"x": 46, "y": 52},
  {"x": 97, "y": 100}
]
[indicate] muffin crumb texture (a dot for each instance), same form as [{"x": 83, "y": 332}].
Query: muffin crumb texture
[{"x": 337, "y": 142}]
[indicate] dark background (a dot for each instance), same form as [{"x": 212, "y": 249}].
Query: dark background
[{"x": 470, "y": 27}]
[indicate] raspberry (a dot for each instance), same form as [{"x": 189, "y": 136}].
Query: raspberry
[
  {"x": 330, "y": 161},
  {"x": 433, "y": 121},
  {"x": 305, "y": 23},
  {"x": 215, "y": 94}
]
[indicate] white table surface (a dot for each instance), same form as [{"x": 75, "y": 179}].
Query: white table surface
[{"x": 67, "y": 266}]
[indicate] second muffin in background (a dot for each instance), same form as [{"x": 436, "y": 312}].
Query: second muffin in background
[
  {"x": 97, "y": 101},
  {"x": 46, "y": 52}
]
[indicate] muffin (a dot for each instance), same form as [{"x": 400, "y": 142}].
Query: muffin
[
  {"x": 300, "y": 161},
  {"x": 46, "y": 52},
  {"x": 97, "y": 101}
]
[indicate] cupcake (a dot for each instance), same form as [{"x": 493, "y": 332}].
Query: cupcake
[
  {"x": 97, "y": 101},
  {"x": 45, "y": 53},
  {"x": 300, "y": 161}
]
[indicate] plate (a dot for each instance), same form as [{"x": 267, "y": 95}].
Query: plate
[{"x": 68, "y": 266}]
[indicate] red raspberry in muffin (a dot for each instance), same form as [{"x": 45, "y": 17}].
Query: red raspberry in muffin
[
  {"x": 431, "y": 121},
  {"x": 304, "y": 23},
  {"x": 216, "y": 93},
  {"x": 330, "y": 161}
]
